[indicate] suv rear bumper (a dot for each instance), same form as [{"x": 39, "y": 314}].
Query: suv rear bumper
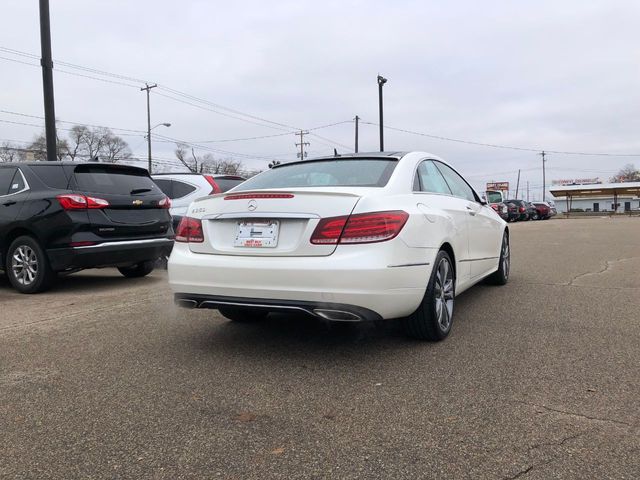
[{"x": 109, "y": 254}]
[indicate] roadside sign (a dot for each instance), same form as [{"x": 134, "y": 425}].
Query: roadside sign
[{"x": 500, "y": 186}]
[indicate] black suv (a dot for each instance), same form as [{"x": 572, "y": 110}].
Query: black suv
[{"x": 67, "y": 216}]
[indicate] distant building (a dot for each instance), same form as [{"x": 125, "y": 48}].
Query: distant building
[{"x": 603, "y": 197}]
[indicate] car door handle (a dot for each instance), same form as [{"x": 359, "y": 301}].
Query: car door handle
[
  {"x": 8, "y": 204},
  {"x": 471, "y": 210}
]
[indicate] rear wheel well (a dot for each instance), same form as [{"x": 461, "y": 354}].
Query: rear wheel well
[
  {"x": 449, "y": 249},
  {"x": 8, "y": 240}
]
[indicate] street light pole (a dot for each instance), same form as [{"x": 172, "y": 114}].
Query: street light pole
[
  {"x": 47, "y": 81},
  {"x": 148, "y": 88},
  {"x": 381, "y": 82},
  {"x": 357, "y": 119}
]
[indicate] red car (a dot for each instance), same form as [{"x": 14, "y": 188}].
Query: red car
[{"x": 544, "y": 212}]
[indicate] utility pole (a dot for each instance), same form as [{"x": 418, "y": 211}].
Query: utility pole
[
  {"x": 544, "y": 180},
  {"x": 47, "y": 81},
  {"x": 518, "y": 184},
  {"x": 527, "y": 190},
  {"x": 301, "y": 153},
  {"x": 148, "y": 88},
  {"x": 381, "y": 82},
  {"x": 357, "y": 119}
]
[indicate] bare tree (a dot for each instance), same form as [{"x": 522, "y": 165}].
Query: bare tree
[
  {"x": 76, "y": 141},
  {"x": 11, "y": 153},
  {"x": 114, "y": 148},
  {"x": 39, "y": 148},
  {"x": 628, "y": 173}
]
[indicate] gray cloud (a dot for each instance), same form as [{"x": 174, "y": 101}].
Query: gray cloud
[{"x": 553, "y": 75}]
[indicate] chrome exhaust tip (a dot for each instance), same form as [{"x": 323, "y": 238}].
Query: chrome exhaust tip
[
  {"x": 186, "y": 303},
  {"x": 337, "y": 315}
]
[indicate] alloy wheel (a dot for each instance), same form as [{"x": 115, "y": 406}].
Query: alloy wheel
[
  {"x": 444, "y": 294},
  {"x": 24, "y": 265},
  {"x": 506, "y": 257}
]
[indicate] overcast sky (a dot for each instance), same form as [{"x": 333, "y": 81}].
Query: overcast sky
[{"x": 545, "y": 74}]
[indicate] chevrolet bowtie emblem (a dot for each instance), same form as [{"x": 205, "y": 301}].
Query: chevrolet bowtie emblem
[{"x": 137, "y": 202}]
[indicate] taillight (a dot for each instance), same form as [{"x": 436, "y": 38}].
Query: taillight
[
  {"x": 165, "y": 203},
  {"x": 359, "y": 228},
  {"x": 246, "y": 196},
  {"x": 212, "y": 182},
  {"x": 72, "y": 201},
  {"x": 189, "y": 230},
  {"x": 521, "y": 209}
]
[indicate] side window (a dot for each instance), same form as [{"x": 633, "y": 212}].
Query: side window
[
  {"x": 17, "y": 184},
  {"x": 458, "y": 186},
  {"x": 181, "y": 189},
  {"x": 430, "y": 178},
  {"x": 164, "y": 185},
  {"x": 6, "y": 175},
  {"x": 53, "y": 176}
]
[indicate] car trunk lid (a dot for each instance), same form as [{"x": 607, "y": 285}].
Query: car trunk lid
[{"x": 270, "y": 223}]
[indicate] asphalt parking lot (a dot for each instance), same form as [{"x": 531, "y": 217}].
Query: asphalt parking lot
[{"x": 104, "y": 378}]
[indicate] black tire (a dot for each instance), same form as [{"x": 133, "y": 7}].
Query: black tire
[
  {"x": 501, "y": 276},
  {"x": 141, "y": 269},
  {"x": 243, "y": 315},
  {"x": 535, "y": 217},
  {"x": 429, "y": 322},
  {"x": 27, "y": 266}
]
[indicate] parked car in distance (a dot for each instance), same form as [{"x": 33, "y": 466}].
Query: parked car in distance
[
  {"x": 544, "y": 211},
  {"x": 501, "y": 209},
  {"x": 184, "y": 188},
  {"x": 532, "y": 211},
  {"x": 517, "y": 210},
  {"x": 349, "y": 238},
  {"x": 494, "y": 199},
  {"x": 67, "y": 216}
]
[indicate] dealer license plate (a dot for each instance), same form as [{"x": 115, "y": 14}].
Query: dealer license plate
[{"x": 257, "y": 234}]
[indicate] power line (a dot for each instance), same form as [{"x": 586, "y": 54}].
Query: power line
[{"x": 508, "y": 147}]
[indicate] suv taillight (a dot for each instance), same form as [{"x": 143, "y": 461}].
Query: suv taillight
[
  {"x": 212, "y": 182},
  {"x": 73, "y": 201},
  {"x": 522, "y": 210},
  {"x": 359, "y": 228},
  {"x": 165, "y": 203},
  {"x": 189, "y": 230}
]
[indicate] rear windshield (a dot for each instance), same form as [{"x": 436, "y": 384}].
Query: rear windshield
[
  {"x": 365, "y": 172},
  {"x": 227, "y": 183},
  {"x": 114, "y": 180},
  {"x": 494, "y": 197}
]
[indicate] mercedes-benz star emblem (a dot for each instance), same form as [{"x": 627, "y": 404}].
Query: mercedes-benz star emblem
[{"x": 252, "y": 205}]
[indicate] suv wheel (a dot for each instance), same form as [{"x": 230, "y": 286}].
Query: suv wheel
[
  {"x": 434, "y": 317},
  {"x": 138, "y": 270},
  {"x": 27, "y": 266}
]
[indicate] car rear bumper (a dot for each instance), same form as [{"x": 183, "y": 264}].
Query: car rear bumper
[
  {"x": 109, "y": 253},
  {"x": 387, "y": 281}
]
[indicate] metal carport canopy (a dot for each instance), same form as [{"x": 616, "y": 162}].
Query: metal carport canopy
[{"x": 603, "y": 189}]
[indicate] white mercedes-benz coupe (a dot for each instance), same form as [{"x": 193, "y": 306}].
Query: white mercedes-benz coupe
[{"x": 346, "y": 238}]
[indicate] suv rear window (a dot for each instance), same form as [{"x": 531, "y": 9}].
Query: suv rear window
[
  {"x": 227, "y": 183},
  {"x": 114, "y": 179},
  {"x": 360, "y": 172}
]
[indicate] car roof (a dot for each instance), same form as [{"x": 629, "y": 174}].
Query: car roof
[{"x": 349, "y": 156}]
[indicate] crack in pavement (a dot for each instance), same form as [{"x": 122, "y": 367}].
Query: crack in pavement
[
  {"x": 578, "y": 415},
  {"x": 17, "y": 326},
  {"x": 520, "y": 473},
  {"x": 607, "y": 266}
]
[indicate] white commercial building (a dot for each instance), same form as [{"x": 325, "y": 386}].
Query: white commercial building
[{"x": 602, "y": 197}]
